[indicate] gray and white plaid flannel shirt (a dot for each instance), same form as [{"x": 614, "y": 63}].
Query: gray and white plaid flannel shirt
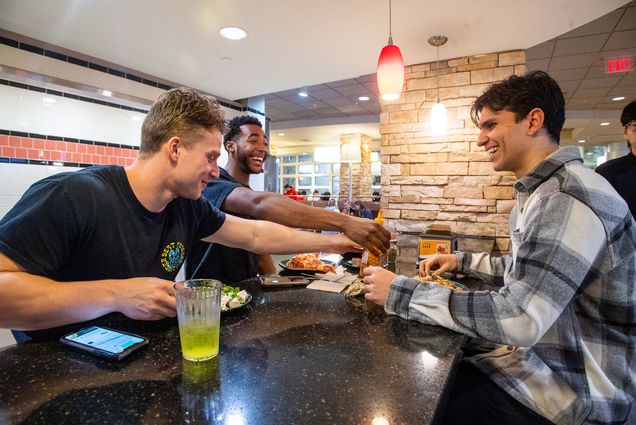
[{"x": 565, "y": 313}]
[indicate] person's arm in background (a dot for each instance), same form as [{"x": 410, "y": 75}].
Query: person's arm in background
[
  {"x": 266, "y": 264},
  {"x": 262, "y": 237},
  {"x": 279, "y": 209}
]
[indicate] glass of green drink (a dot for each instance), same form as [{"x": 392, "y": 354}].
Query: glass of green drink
[{"x": 199, "y": 316}]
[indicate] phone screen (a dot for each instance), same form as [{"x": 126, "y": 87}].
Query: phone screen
[{"x": 104, "y": 339}]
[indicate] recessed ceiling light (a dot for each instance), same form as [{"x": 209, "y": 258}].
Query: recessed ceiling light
[
  {"x": 48, "y": 100},
  {"x": 281, "y": 134},
  {"x": 303, "y": 93},
  {"x": 617, "y": 98},
  {"x": 107, "y": 93},
  {"x": 363, "y": 98},
  {"x": 605, "y": 123},
  {"x": 233, "y": 33},
  {"x": 581, "y": 141}
]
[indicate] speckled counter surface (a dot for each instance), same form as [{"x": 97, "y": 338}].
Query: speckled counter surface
[{"x": 292, "y": 356}]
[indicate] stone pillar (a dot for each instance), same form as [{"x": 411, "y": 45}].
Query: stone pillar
[
  {"x": 361, "y": 171},
  {"x": 447, "y": 179}
]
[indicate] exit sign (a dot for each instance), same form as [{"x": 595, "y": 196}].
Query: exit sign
[{"x": 617, "y": 65}]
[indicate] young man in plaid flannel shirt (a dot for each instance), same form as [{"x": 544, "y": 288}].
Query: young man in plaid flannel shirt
[{"x": 564, "y": 316}]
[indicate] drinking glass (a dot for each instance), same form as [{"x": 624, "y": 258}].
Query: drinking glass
[{"x": 199, "y": 316}]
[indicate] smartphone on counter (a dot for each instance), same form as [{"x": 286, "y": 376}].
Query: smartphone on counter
[
  {"x": 281, "y": 281},
  {"x": 104, "y": 342}
]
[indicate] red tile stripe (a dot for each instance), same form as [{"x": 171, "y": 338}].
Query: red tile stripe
[{"x": 55, "y": 150}]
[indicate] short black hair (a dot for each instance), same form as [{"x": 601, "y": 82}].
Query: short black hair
[
  {"x": 520, "y": 94},
  {"x": 629, "y": 113},
  {"x": 234, "y": 126}
]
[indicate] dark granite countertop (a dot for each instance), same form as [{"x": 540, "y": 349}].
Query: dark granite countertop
[{"x": 292, "y": 356}]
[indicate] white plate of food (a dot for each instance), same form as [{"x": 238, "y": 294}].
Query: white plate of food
[
  {"x": 234, "y": 298},
  {"x": 307, "y": 263}
]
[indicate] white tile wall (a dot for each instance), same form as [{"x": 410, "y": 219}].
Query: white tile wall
[
  {"x": 28, "y": 111},
  {"x": 15, "y": 179}
]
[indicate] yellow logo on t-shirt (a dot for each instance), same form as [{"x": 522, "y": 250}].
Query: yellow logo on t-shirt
[{"x": 172, "y": 256}]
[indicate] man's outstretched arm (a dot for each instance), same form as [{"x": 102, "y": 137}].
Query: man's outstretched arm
[{"x": 279, "y": 209}]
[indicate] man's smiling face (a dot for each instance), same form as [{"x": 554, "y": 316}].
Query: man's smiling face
[{"x": 252, "y": 148}]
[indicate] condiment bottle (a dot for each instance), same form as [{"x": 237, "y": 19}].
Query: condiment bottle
[{"x": 371, "y": 259}]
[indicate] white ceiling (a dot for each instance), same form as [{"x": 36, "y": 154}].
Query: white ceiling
[
  {"x": 294, "y": 43},
  {"x": 291, "y": 43}
]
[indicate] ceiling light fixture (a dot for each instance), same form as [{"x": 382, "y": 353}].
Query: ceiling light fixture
[
  {"x": 617, "y": 98},
  {"x": 363, "y": 98},
  {"x": 438, "y": 119},
  {"x": 107, "y": 93},
  {"x": 605, "y": 123},
  {"x": 582, "y": 141},
  {"x": 303, "y": 93},
  {"x": 281, "y": 134},
  {"x": 390, "y": 74},
  {"x": 233, "y": 33}
]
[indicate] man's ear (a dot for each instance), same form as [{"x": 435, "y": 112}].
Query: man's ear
[
  {"x": 535, "y": 118},
  {"x": 173, "y": 146},
  {"x": 230, "y": 146}
]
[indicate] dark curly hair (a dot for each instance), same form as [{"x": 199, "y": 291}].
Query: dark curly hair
[
  {"x": 522, "y": 93},
  {"x": 629, "y": 113},
  {"x": 234, "y": 126}
]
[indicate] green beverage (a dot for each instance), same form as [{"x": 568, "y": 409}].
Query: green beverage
[
  {"x": 199, "y": 340},
  {"x": 199, "y": 315}
]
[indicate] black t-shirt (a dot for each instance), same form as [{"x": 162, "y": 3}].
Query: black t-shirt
[
  {"x": 89, "y": 225},
  {"x": 621, "y": 173},
  {"x": 215, "y": 261}
]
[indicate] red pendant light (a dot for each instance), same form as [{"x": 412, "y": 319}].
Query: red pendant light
[{"x": 390, "y": 73}]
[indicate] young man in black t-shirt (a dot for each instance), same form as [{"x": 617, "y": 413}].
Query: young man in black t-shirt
[
  {"x": 110, "y": 240},
  {"x": 247, "y": 147}
]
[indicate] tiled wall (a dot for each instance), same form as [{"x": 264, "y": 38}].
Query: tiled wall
[
  {"x": 15, "y": 146},
  {"x": 16, "y": 178},
  {"x": 445, "y": 180}
]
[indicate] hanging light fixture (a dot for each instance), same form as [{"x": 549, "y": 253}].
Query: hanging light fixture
[
  {"x": 438, "y": 118},
  {"x": 390, "y": 73}
]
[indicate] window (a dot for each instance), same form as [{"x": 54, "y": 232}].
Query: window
[
  {"x": 593, "y": 156},
  {"x": 322, "y": 168},
  {"x": 304, "y": 183},
  {"x": 306, "y": 157},
  {"x": 306, "y": 169},
  {"x": 322, "y": 181},
  {"x": 302, "y": 172}
]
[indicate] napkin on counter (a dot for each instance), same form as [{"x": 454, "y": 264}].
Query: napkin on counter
[
  {"x": 334, "y": 258},
  {"x": 332, "y": 282}
]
